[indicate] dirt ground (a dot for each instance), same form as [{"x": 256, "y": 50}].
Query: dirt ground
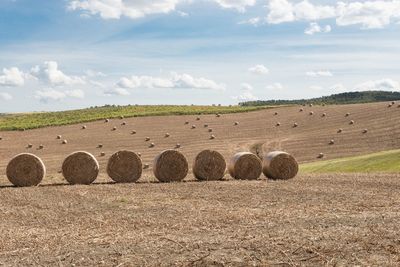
[{"x": 324, "y": 220}]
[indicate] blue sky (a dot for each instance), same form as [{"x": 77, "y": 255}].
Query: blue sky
[{"x": 66, "y": 54}]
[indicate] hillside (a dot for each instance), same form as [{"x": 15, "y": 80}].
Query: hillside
[{"x": 342, "y": 98}]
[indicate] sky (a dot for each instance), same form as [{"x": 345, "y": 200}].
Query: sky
[{"x": 69, "y": 54}]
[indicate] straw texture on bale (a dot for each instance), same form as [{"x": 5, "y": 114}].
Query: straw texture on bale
[
  {"x": 209, "y": 165},
  {"x": 245, "y": 166},
  {"x": 280, "y": 165},
  {"x": 124, "y": 167},
  {"x": 80, "y": 168},
  {"x": 25, "y": 170},
  {"x": 170, "y": 166}
]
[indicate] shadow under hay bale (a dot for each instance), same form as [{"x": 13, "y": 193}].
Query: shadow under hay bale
[
  {"x": 245, "y": 166},
  {"x": 279, "y": 165},
  {"x": 80, "y": 168},
  {"x": 25, "y": 170},
  {"x": 170, "y": 166},
  {"x": 209, "y": 165},
  {"x": 124, "y": 167}
]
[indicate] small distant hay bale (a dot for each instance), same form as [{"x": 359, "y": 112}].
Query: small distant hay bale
[
  {"x": 84, "y": 127},
  {"x": 106, "y": 120},
  {"x": 236, "y": 123},
  {"x": 29, "y": 146},
  {"x": 393, "y": 102},
  {"x": 133, "y": 132},
  {"x": 209, "y": 165},
  {"x": 390, "y": 105},
  {"x": 198, "y": 118},
  {"x": 311, "y": 113},
  {"x": 276, "y": 113},
  {"x": 25, "y": 170},
  {"x": 121, "y": 117},
  {"x": 311, "y": 105},
  {"x": 152, "y": 145},
  {"x": 1, "y": 138},
  {"x": 365, "y": 131},
  {"x": 295, "y": 125},
  {"x": 210, "y": 130},
  {"x": 123, "y": 123},
  {"x": 398, "y": 105},
  {"x": 212, "y": 137},
  {"x": 340, "y": 131},
  {"x": 301, "y": 110},
  {"x": 124, "y": 167},
  {"x": 167, "y": 135},
  {"x": 186, "y": 122},
  {"x": 178, "y": 146},
  {"x": 323, "y": 115},
  {"x": 100, "y": 146},
  {"x": 146, "y": 166},
  {"x": 278, "y": 124},
  {"x": 218, "y": 115},
  {"x": 80, "y": 168},
  {"x": 59, "y": 136},
  {"x": 102, "y": 154},
  {"x": 279, "y": 165},
  {"x": 205, "y": 125},
  {"x": 170, "y": 166},
  {"x": 351, "y": 122},
  {"x": 64, "y": 142},
  {"x": 114, "y": 128},
  {"x": 245, "y": 166},
  {"x": 147, "y": 139},
  {"x": 347, "y": 114},
  {"x": 41, "y": 147},
  {"x": 332, "y": 142},
  {"x": 193, "y": 126},
  {"x": 321, "y": 155}
]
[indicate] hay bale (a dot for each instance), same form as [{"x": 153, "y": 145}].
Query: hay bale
[
  {"x": 29, "y": 146},
  {"x": 41, "y": 147},
  {"x": 80, "y": 168},
  {"x": 332, "y": 142},
  {"x": 133, "y": 132},
  {"x": 147, "y": 139},
  {"x": 347, "y": 114},
  {"x": 84, "y": 127},
  {"x": 193, "y": 126},
  {"x": 59, "y": 137},
  {"x": 323, "y": 115},
  {"x": 123, "y": 123},
  {"x": 210, "y": 130},
  {"x": 178, "y": 146},
  {"x": 245, "y": 166},
  {"x": 301, "y": 110},
  {"x": 205, "y": 125},
  {"x": 102, "y": 154},
  {"x": 209, "y": 165},
  {"x": 218, "y": 115},
  {"x": 365, "y": 131},
  {"x": 64, "y": 142},
  {"x": 25, "y": 170},
  {"x": 100, "y": 146},
  {"x": 1, "y": 138},
  {"x": 124, "y": 167},
  {"x": 170, "y": 166},
  {"x": 393, "y": 102},
  {"x": 278, "y": 124},
  {"x": 320, "y": 155},
  {"x": 106, "y": 120},
  {"x": 167, "y": 135},
  {"x": 276, "y": 113},
  {"x": 280, "y": 165},
  {"x": 295, "y": 125},
  {"x": 146, "y": 166},
  {"x": 311, "y": 113},
  {"x": 152, "y": 145},
  {"x": 198, "y": 118},
  {"x": 114, "y": 128},
  {"x": 236, "y": 123},
  {"x": 351, "y": 122},
  {"x": 340, "y": 131},
  {"x": 139, "y": 154},
  {"x": 311, "y": 105},
  {"x": 212, "y": 137},
  {"x": 121, "y": 117}
]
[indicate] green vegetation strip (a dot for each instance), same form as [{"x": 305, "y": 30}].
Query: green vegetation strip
[
  {"x": 12, "y": 122},
  {"x": 386, "y": 161}
]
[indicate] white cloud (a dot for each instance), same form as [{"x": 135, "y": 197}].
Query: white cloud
[
  {"x": 49, "y": 71},
  {"x": 77, "y": 93},
  {"x": 5, "y": 96},
  {"x": 316, "y": 28},
  {"x": 174, "y": 81},
  {"x": 246, "y": 87},
  {"x": 383, "y": 84},
  {"x": 134, "y": 9},
  {"x": 50, "y": 94},
  {"x": 253, "y": 21},
  {"x": 320, "y": 73},
  {"x": 274, "y": 86},
  {"x": 12, "y": 77},
  {"x": 116, "y": 91},
  {"x": 259, "y": 69},
  {"x": 368, "y": 14},
  {"x": 245, "y": 96}
]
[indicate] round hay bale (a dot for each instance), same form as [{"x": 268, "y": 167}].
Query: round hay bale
[
  {"x": 106, "y": 120},
  {"x": 393, "y": 102},
  {"x": 236, "y": 123},
  {"x": 139, "y": 154},
  {"x": 205, "y": 125},
  {"x": 209, "y": 165},
  {"x": 124, "y": 167},
  {"x": 1, "y": 138},
  {"x": 167, "y": 135},
  {"x": 193, "y": 126},
  {"x": 340, "y": 131},
  {"x": 170, "y": 166},
  {"x": 212, "y": 137},
  {"x": 398, "y": 105},
  {"x": 100, "y": 146},
  {"x": 320, "y": 155},
  {"x": 276, "y": 113},
  {"x": 347, "y": 114},
  {"x": 102, "y": 154},
  {"x": 210, "y": 130},
  {"x": 323, "y": 115},
  {"x": 41, "y": 147},
  {"x": 278, "y": 124},
  {"x": 365, "y": 131},
  {"x": 123, "y": 124},
  {"x": 25, "y": 170},
  {"x": 64, "y": 142},
  {"x": 146, "y": 166},
  {"x": 311, "y": 113},
  {"x": 178, "y": 146},
  {"x": 59, "y": 137},
  {"x": 245, "y": 166},
  {"x": 301, "y": 110},
  {"x": 311, "y": 105},
  {"x": 152, "y": 145},
  {"x": 186, "y": 122},
  {"x": 218, "y": 115},
  {"x": 84, "y": 127},
  {"x": 80, "y": 168},
  {"x": 133, "y": 132},
  {"x": 332, "y": 142},
  {"x": 121, "y": 117},
  {"x": 390, "y": 105},
  {"x": 351, "y": 122},
  {"x": 295, "y": 125},
  {"x": 29, "y": 146},
  {"x": 147, "y": 139},
  {"x": 114, "y": 128},
  {"x": 198, "y": 118},
  {"x": 280, "y": 165}
]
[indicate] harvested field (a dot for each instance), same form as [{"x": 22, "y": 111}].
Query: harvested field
[{"x": 312, "y": 220}]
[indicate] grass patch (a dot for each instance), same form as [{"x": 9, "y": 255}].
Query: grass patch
[
  {"x": 10, "y": 122},
  {"x": 386, "y": 161}
]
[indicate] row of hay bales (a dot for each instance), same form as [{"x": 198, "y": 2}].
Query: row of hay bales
[{"x": 169, "y": 166}]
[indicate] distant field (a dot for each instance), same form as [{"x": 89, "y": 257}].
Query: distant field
[
  {"x": 387, "y": 161},
  {"x": 44, "y": 119}
]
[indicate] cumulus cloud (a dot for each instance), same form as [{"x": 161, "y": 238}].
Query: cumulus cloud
[
  {"x": 320, "y": 73},
  {"x": 134, "y": 9},
  {"x": 316, "y": 28},
  {"x": 5, "y": 96},
  {"x": 259, "y": 70},
  {"x": 55, "y": 95},
  {"x": 274, "y": 86},
  {"x": 382, "y": 84},
  {"x": 49, "y": 72},
  {"x": 12, "y": 77},
  {"x": 367, "y": 14},
  {"x": 175, "y": 80}
]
